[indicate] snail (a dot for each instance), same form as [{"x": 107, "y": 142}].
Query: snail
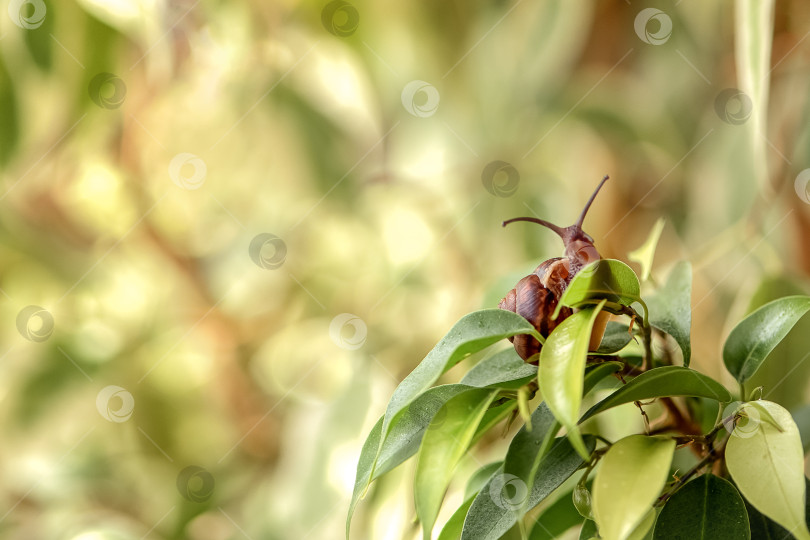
[{"x": 535, "y": 297}]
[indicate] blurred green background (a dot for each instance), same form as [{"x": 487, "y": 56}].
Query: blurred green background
[{"x": 240, "y": 224}]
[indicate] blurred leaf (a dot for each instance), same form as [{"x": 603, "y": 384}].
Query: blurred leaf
[
  {"x": 645, "y": 253},
  {"x": 492, "y": 512},
  {"x": 706, "y": 508},
  {"x": 9, "y": 123},
  {"x": 801, "y": 416},
  {"x": 39, "y": 42},
  {"x": 752, "y": 44},
  {"x": 616, "y": 338},
  {"x": 561, "y": 369},
  {"x": 768, "y": 466},
  {"x": 660, "y": 382},
  {"x": 629, "y": 480},
  {"x": 503, "y": 370},
  {"x": 446, "y": 440},
  {"x": 755, "y": 337},
  {"x": 671, "y": 307}
]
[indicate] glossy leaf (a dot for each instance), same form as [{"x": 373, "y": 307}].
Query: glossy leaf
[
  {"x": 616, "y": 338},
  {"x": 605, "y": 279},
  {"x": 480, "y": 478},
  {"x": 473, "y": 333},
  {"x": 528, "y": 447},
  {"x": 768, "y": 466},
  {"x": 561, "y": 370},
  {"x": 492, "y": 513},
  {"x": 644, "y": 527},
  {"x": 402, "y": 442},
  {"x": 662, "y": 381},
  {"x": 755, "y": 337},
  {"x": 452, "y": 529},
  {"x": 763, "y": 528},
  {"x": 671, "y": 308},
  {"x": 645, "y": 253},
  {"x": 446, "y": 440},
  {"x": 504, "y": 369},
  {"x": 595, "y": 374},
  {"x": 706, "y": 508},
  {"x": 629, "y": 480},
  {"x": 554, "y": 520}
]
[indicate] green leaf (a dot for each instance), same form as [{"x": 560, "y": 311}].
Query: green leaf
[
  {"x": 452, "y": 529},
  {"x": 644, "y": 527},
  {"x": 554, "y": 520},
  {"x": 402, "y": 442},
  {"x": 446, "y": 440},
  {"x": 755, "y": 337},
  {"x": 752, "y": 53},
  {"x": 768, "y": 466},
  {"x": 39, "y": 42},
  {"x": 9, "y": 112},
  {"x": 474, "y": 332},
  {"x": 504, "y": 369},
  {"x": 801, "y": 416},
  {"x": 706, "y": 508},
  {"x": 561, "y": 369},
  {"x": 671, "y": 309},
  {"x": 659, "y": 382},
  {"x": 616, "y": 337},
  {"x": 763, "y": 528},
  {"x": 492, "y": 513},
  {"x": 588, "y": 530},
  {"x": 480, "y": 478},
  {"x": 645, "y": 253},
  {"x": 629, "y": 480},
  {"x": 595, "y": 374},
  {"x": 605, "y": 279}
]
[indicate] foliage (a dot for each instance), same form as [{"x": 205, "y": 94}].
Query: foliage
[{"x": 635, "y": 491}]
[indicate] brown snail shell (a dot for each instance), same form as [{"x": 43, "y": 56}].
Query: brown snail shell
[{"x": 535, "y": 297}]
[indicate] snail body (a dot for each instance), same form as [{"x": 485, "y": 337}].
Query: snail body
[{"x": 536, "y": 296}]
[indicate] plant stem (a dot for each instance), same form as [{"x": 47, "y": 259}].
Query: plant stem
[{"x": 712, "y": 456}]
